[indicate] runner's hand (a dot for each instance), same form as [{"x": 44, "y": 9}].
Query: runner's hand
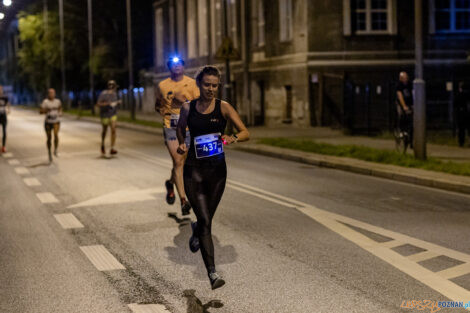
[
  {"x": 179, "y": 99},
  {"x": 182, "y": 149},
  {"x": 227, "y": 140}
]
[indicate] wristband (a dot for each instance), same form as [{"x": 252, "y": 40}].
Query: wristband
[{"x": 236, "y": 137}]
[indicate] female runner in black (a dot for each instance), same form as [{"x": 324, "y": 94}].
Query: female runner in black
[{"x": 205, "y": 171}]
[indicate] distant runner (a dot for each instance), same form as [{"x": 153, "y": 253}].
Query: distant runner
[
  {"x": 52, "y": 107},
  {"x": 4, "y": 111},
  {"x": 108, "y": 102},
  {"x": 171, "y": 93}
]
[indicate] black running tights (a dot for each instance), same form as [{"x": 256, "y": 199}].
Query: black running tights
[{"x": 204, "y": 186}]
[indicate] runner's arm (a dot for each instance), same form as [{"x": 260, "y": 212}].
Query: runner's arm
[
  {"x": 230, "y": 114},
  {"x": 181, "y": 128},
  {"x": 42, "y": 109},
  {"x": 401, "y": 101},
  {"x": 8, "y": 107},
  {"x": 159, "y": 101}
]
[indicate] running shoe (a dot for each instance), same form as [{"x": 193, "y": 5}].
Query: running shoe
[
  {"x": 4, "y": 150},
  {"x": 194, "y": 240},
  {"x": 170, "y": 192},
  {"x": 113, "y": 152},
  {"x": 103, "y": 152},
  {"x": 56, "y": 154},
  {"x": 50, "y": 156},
  {"x": 216, "y": 280},
  {"x": 185, "y": 207}
]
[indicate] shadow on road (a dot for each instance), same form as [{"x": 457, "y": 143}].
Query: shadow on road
[
  {"x": 45, "y": 163},
  {"x": 180, "y": 253},
  {"x": 195, "y": 305}
]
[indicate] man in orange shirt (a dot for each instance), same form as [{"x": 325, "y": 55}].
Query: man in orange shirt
[{"x": 171, "y": 94}]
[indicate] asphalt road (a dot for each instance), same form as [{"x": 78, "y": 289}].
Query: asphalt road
[{"x": 288, "y": 237}]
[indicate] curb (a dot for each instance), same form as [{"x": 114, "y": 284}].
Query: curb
[{"x": 449, "y": 182}]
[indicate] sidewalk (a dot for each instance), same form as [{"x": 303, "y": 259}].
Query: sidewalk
[{"x": 336, "y": 137}]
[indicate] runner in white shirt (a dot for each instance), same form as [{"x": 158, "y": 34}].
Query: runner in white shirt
[{"x": 52, "y": 107}]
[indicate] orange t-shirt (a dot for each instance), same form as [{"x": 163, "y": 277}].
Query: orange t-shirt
[{"x": 168, "y": 89}]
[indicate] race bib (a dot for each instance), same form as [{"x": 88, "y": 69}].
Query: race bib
[
  {"x": 208, "y": 145},
  {"x": 174, "y": 120}
]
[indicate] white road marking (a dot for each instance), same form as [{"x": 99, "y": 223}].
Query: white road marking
[
  {"x": 14, "y": 162},
  {"x": 335, "y": 222},
  {"x": 7, "y": 155},
  {"x": 391, "y": 244},
  {"x": 455, "y": 271},
  {"x": 31, "y": 182},
  {"x": 100, "y": 257},
  {"x": 147, "y": 308},
  {"x": 422, "y": 256},
  {"x": 47, "y": 197},
  {"x": 21, "y": 170},
  {"x": 121, "y": 196},
  {"x": 68, "y": 221}
]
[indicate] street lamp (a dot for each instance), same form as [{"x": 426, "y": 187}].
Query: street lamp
[
  {"x": 419, "y": 86},
  {"x": 7, "y": 3},
  {"x": 2, "y": 16},
  {"x": 62, "y": 51}
]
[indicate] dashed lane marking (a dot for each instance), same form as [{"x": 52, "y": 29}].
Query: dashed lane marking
[
  {"x": 21, "y": 170},
  {"x": 7, "y": 155},
  {"x": 31, "y": 182},
  {"x": 14, "y": 162},
  {"x": 68, "y": 221},
  {"x": 147, "y": 308},
  {"x": 100, "y": 257},
  {"x": 336, "y": 223},
  {"x": 47, "y": 197}
]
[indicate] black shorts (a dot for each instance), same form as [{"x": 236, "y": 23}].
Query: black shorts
[{"x": 50, "y": 126}]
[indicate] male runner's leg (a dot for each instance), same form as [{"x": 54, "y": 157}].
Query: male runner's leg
[
  {"x": 56, "y": 137},
  {"x": 103, "y": 135},
  {"x": 113, "y": 133},
  {"x": 48, "y": 127},
  {"x": 178, "y": 163}
]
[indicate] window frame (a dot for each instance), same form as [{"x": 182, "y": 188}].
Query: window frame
[
  {"x": 191, "y": 30},
  {"x": 286, "y": 33},
  {"x": 453, "y": 19},
  {"x": 202, "y": 28},
  {"x": 349, "y": 15}
]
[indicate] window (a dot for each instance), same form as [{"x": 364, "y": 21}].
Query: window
[
  {"x": 261, "y": 23},
  {"x": 203, "y": 32},
  {"x": 451, "y": 16},
  {"x": 159, "y": 36},
  {"x": 191, "y": 29},
  {"x": 258, "y": 23},
  {"x": 369, "y": 16},
  {"x": 216, "y": 24},
  {"x": 232, "y": 21},
  {"x": 285, "y": 20}
]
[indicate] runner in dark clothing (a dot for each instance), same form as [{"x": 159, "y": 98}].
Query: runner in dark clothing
[
  {"x": 205, "y": 171},
  {"x": 4, "y": 111}
]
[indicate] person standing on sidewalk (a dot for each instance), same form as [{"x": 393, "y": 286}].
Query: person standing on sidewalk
[
  {"x": 4, "y": 111},
  {"x": 108, "y": 102},
  {"x": 405, "y": 105},
  {"x": 462, "y": 112},
  {"x": 52, "y": 107},
  {"x": 205, "y": 170},
  {"x": 171, "y": 93}
]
